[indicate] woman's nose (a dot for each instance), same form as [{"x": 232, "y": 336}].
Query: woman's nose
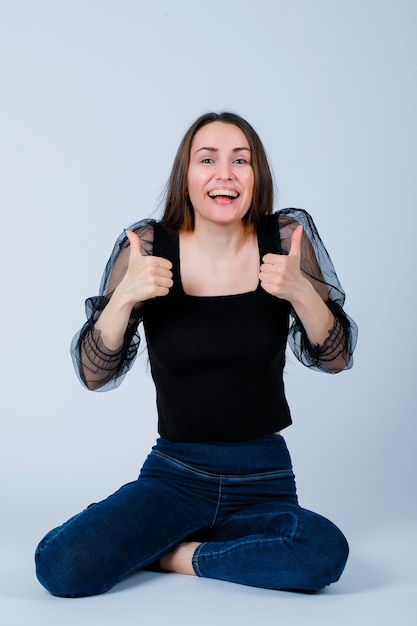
[{"x": 224, "y": 170}]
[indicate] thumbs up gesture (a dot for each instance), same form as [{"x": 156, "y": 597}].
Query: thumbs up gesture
[
  {"x": 146, "y": 276},
  {"x": 280, "y": 275}
]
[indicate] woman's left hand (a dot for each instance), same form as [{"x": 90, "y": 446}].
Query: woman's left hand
[{"x": 280, "y": 274}]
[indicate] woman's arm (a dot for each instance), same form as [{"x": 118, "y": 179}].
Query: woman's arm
[
  {"x": 106, "y": 346},
  {"x": 322, "y": 335},
  {"x": 139, "y": 278}
]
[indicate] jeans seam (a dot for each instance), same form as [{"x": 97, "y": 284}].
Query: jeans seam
[
  {"x": 194, "y": 560},
  {"x": 54, "y": 533},
  {"x": 184, "y": 466},
  {"x": 232, "y": 477},
  {"x": 258, "y": 477},
  {"x": 219, "y": 497}
]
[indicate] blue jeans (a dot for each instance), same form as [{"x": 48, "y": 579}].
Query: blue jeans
[{"x": 238, "y": 500}]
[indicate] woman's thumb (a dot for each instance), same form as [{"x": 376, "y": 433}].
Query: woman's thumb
[{"x": 135, "y": 247}]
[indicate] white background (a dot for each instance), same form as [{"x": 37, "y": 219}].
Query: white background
[{"x": 95, "y": 96}]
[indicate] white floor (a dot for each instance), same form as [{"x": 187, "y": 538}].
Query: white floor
[{"x": 379, "y": 587}]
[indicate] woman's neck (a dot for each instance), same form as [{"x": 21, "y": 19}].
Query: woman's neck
[
  {"x": 218, "y": 261},
  {"x": 218, "y": 240}
]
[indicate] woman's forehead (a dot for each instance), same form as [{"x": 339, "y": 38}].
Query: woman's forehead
[{"x": 220, "y": 133}]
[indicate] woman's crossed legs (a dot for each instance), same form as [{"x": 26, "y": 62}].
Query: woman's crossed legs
[{"x": 246, "y": 529}]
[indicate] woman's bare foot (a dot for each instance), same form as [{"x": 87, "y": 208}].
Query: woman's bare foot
[{"x": 180, "y": 559}]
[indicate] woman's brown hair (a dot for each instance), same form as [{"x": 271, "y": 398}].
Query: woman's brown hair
[{"x": 179, "y": 213}]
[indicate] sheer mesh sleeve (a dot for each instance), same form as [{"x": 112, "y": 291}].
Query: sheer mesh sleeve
[
  {"x": 104, "y": 368},
  {"x": 335, "y": 354}
]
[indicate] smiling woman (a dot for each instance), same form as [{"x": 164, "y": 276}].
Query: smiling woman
[
  {"x": 178, "y": 213},
  {"x": 220, "y": 283},
  {"x": 220, "y": 177}
]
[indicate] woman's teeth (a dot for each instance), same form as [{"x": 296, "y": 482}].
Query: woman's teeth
[{"x": 223, "y": 192}]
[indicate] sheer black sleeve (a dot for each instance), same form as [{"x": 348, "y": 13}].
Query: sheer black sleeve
[
  {"x": 106, "y": 368},
  {"x": 335, "y": 354}
]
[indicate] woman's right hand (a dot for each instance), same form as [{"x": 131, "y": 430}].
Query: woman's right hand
[{"x": 146, "y": 276}]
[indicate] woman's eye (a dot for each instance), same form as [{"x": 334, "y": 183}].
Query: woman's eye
[
  {"x": 241, "y": 161},
  {"x": 207, "y": 160}
]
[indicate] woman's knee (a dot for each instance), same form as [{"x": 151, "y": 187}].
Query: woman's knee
[
  {"x": 66, "y": 570},
  {"x": 328, "y": 551}
]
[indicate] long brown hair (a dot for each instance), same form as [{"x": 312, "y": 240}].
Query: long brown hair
[{"x": 179, "y": 212}]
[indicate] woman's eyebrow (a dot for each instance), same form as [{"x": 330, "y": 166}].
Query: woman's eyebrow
[{"x": 210, "y": 149}]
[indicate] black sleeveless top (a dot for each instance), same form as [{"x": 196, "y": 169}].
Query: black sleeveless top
[{"x": 217, "y": 361}]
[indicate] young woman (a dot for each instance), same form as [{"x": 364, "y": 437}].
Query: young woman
[{"x": 220, "y": 283}]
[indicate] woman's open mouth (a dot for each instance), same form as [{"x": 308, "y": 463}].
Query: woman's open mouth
[{"x": 223, "y": 195}]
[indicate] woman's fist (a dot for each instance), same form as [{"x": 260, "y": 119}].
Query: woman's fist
[
  {"x": 280, "y": 274},
  {"x": 146, "y": 276}
]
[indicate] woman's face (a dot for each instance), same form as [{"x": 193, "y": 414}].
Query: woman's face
[{"x": 220, "y": 176}]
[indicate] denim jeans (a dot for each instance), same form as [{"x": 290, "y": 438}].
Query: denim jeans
[{"x": 239, "y": 500}]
